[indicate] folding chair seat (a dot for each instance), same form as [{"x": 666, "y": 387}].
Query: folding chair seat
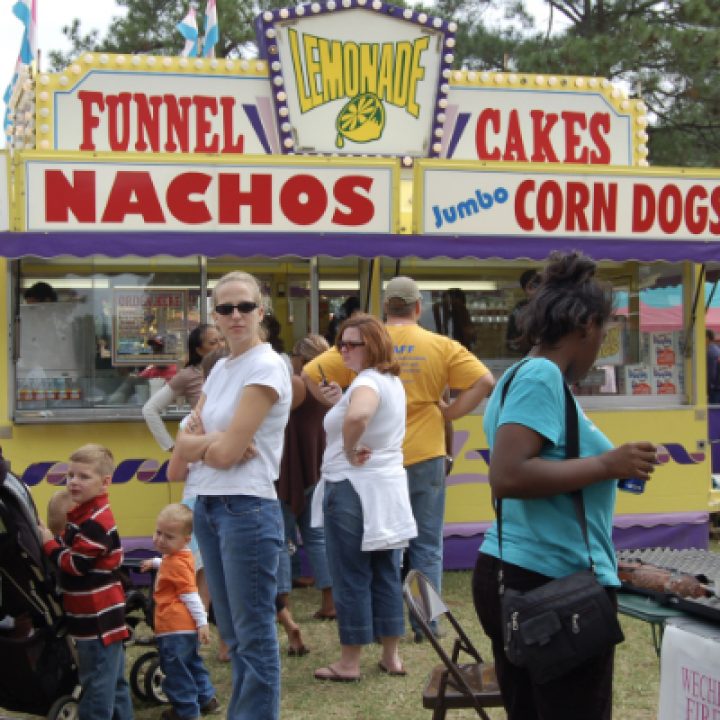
[{"x": 452, "y": 684}]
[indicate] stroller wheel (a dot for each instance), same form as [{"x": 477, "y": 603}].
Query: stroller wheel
[
  {"x": 138, "y": 672},
  {"x": 154, "y": 677},
  {"x": 64, "y": 708}
]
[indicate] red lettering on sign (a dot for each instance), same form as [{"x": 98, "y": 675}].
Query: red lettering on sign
[
  {"x": 259, "y": 198},
  {"x": 542, "y": 127},
  {"x": 604, "y": 207},
  {"x": 599, "y": 127},
  {"x": 203, "y": 126},
  {"x": 670, "y": 207},
  {"x": 148, "y": 121},
  {"x": 715, "y": 205},
  {"x": 643, "y": 205},
  {"x": 696, "y": 217},
  {"x": 360, "y": 207},
  {"x": 117, "y": 142},
  {"x": 549, "y": 206},
  {"x": 514, "y": 147},
  {"x": 303, "y": 199},
  {"x": 178, "y": 123},
  {"x": 63, "y": 197},
  {"x": 492, "y": 116},
  {"x": 133, "y": 193},
  {"x": 89, "y": 121},
  {"x": 179, "y": 200},
  {"x": 523, "y": 219},
  {"x": 572, "y": 139},
  {"x": 578, "y": 199},
  {"x": 230, "y": 145}
]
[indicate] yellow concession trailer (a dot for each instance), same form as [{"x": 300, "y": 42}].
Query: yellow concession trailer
[{"x": 326, "y": 167}]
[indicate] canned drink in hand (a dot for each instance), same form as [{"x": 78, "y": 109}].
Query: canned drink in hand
[{"x": 633, "y": 485}]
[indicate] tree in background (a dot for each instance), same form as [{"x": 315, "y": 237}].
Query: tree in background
[
  {"x": 666, "y": 50},
  {"x": 148, "y": 27}
]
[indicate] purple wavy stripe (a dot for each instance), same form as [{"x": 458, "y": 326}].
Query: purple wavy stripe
[
  {"x": 253, "y": 242},
  {"x": 681, "y": 456},
  {"x": 126, "y": 471},
  {"x": 462, "y": 121},
  {"x": 252, "y": 113},
  {"x": 35, "y": 473}
]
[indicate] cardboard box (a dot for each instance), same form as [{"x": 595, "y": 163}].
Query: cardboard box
[
  {"x": 637, "y": 380},
  {"x": 664, "y": 349},
  {"x": 665, "y": 380}
]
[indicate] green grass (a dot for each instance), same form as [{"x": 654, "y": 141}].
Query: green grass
[{"x": 380, "y": 696}]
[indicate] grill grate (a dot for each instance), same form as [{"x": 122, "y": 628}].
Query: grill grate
[{"x": 693, "y": 562}]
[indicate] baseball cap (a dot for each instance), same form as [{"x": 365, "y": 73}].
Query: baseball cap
[{"x": 403, "y": 288}]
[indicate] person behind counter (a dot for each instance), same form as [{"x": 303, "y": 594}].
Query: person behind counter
[
  {"x": 40, "y": 292},
  {"x": 187, "y": 383},
  {"x": 234, "y": 437},
  {"x": 529, "y": 282},
  {"x": 541, "y": 539}
]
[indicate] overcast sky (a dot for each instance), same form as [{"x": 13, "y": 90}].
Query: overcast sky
[{"x": 53, "y": 14}]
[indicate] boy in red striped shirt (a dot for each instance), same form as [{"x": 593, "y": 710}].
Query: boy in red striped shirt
[{"x": 88, "y": 555}]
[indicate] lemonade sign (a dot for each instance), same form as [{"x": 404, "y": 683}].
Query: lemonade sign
[{"x": 358, "y": 78}]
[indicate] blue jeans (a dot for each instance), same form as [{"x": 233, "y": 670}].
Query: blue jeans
[
  {"x": 105, "y": 692},
  {"x": 313, "y": 541},
  {"x": 366, "y": 585},
  {"x": 240, "y": 537},
  {"x": 426, "y": 482},
  {"x": 187, "y": 681}
]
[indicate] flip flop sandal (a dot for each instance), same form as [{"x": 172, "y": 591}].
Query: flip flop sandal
[
  {"x": 329, "y": 673},
  {"x": 298, "y": 652},
  {"x": 320, "y": 615},
  {"x": 384, "y": 668}
]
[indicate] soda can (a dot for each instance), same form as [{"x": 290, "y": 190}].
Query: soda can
[{"x": 633, "y": 485}]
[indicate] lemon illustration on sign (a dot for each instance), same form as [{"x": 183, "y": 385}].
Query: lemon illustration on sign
[{"x": 361, "y": 120}]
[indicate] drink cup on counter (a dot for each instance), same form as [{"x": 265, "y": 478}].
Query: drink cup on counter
[{"x": 633, "y": 485}]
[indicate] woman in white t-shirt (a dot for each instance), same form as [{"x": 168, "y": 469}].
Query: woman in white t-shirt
[
  {"x": 366, "y": 504},
  {"x": 235, "y": 437}
]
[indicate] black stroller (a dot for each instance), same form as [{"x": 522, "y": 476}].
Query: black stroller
[{"x": 38, "y": 668}]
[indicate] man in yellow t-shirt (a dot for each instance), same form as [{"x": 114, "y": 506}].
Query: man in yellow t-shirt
[{"x": 429, "y": 363}]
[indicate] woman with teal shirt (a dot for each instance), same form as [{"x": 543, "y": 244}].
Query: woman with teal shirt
[{"x": 565, "y": 324}]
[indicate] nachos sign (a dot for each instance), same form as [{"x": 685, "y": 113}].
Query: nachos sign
[{"x": 356, "y": 77}]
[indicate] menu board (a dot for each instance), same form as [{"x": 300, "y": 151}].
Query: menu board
[{"x": 149, "y": 325}]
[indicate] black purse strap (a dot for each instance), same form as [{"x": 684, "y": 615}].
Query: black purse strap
[{"x": 572, "y": 450}]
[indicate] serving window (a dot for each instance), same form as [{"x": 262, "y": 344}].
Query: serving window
[
  {"x": 110, "y": 332},
  {"x": 97, "y": 336},
  {"x": 642, "y": 361}
]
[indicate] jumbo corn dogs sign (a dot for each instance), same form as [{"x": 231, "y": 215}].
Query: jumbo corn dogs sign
[{"x": 493, "y": 200}]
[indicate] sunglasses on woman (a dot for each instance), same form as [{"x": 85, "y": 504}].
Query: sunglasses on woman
[
  {"x": 349, "y": 344},
  {"x": 242, "y": 307}
]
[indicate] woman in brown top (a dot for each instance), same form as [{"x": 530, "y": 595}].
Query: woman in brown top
[{"x": 299, "y": 473}]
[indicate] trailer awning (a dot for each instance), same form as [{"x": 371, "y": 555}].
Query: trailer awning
[{"x": 271, "y": 244}]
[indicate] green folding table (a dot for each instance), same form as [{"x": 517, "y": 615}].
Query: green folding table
[{"x": 650, "y": 611}]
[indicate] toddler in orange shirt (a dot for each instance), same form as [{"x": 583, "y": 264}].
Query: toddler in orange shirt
[{"x": 180, "y": 618}]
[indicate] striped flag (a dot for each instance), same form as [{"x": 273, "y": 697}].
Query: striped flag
[
  {"x": 188, "y": 28},
  {"x": 26, "y": 12},
  {"x": 212, "y": 34}
]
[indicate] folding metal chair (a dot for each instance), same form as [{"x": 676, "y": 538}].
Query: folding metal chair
[{"x": 450, "y": 685}]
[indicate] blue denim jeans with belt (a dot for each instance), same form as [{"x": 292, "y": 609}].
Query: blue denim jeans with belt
[
  {"x": 313, "y": 542},
  {"x": 187, "y": 682},
  {"x": 366, "y": 585},
  {"x": 105, "y": 692},
  {"x": 240, "y": 537}
]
